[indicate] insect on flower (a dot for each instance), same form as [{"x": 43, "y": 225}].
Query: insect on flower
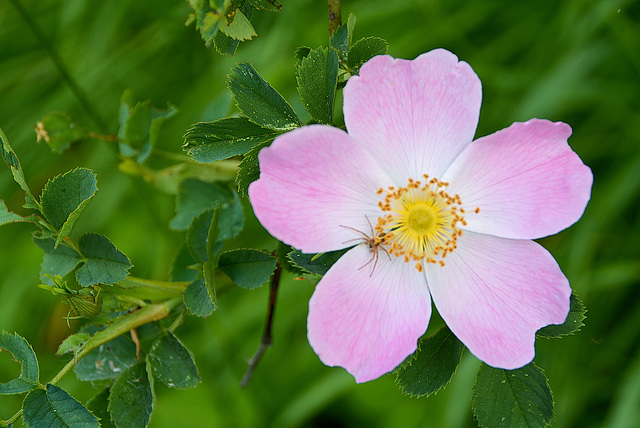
[{"x": 374, "y": 241}]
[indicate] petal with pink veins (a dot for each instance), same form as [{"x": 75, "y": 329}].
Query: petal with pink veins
[
  {"x": 495, "y": 293},
  {"x": 368, "y": 321},
  {"x": 526, "y": 180},
  {"x": 416, "y": 115},
  {"x": 316, "y": 182}
]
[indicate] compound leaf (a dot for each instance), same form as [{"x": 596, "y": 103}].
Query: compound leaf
[{"x": 54, "y": 407}]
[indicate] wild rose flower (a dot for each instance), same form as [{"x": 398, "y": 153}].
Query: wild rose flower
[{"x": 432, "y": 215}]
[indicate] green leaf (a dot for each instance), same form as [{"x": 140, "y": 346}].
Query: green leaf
[
  {"x": 73, "y": 343},
  {"x": 340, "y": 41},
  {"x": 221, "y": 139},
  {"x": 224, "y": 44},
  {"x": 247, "y": 268},
  {"x": 55, "y": 408},
  {"x": 206, "y": 18},
  {"x": 314, "y": 263},
  {"x": 512, "y": 398},
  {"x": 317, "y": 77},
  {"x": 236, "y": 25},
  {"x": 104, "y": 263},
  {"x": 573, "y": 323},
  {"x": 249, "y": 168},
  {"x": 23, "y": 354},
  {"x": 432, "y": 366},
  {"x": 194, "y": 198},
  {"x": 259, "y": 101},
  {"x": 98, "y": 406},
  {"x": 59, "y": 131},
  {"x": 108, "y": 360},
  {"x": 140, "y": 126},
  {"x": 13, "y": 163},
  {"x": 172, "y": 363},
  {"x": 65, "y": 196},
  {"x": 132, "y": 400},
  {"x": 198, "y": 236},
  {"x": 301, "y": 53},
  {"x": 363, "y": 50},
  {"x": 58, "y": 260},
  {"x": 197, "y": 300},
  {"x": 270, "y": 5},
  {"x": 7, "y": 216}
]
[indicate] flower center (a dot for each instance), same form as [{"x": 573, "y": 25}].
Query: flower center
[{"x": 420, "y": 221}]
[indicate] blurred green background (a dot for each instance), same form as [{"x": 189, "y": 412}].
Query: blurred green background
[{"x": 577, "y": 61}]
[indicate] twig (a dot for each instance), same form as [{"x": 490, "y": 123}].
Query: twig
[
  {"x": 267, "y": 339},
  {"x": 335, "y": 16}
]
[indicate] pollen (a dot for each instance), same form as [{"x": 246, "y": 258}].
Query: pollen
[{"x": 420, "y": 221}]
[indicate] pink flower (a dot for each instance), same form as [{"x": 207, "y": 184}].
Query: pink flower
[{"x": 452, "y": 219}]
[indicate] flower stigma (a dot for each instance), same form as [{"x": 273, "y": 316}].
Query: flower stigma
[{"x": 420, "y": 221}]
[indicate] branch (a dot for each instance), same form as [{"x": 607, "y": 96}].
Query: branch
[
  {"x": 335, "y": 16},
  {"x": 267, "y": 340}
]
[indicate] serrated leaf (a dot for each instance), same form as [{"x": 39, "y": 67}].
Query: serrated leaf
[
  {"x": 363, "y": 50},
  {"x": 140, "y": 126},
  {"x": 224, "y": 44},
  {"x": 55, "y": 408},
  {"x": 198, "y": 236},
  {"x": 259, "y": 101},
  {"x": 313, "y": 263},
  {"x": 132, "y": 400},
  {"x": 194, "y": 198},
  {"x": 23, "y": 354},
  {"x": 301, "y": 53},
  {"x": 221, "y": 139},
  {"x": 108, "y": 360},
  {"x": 270, "y": 5},
  {"x": 249, "y": 169},
  {"x": 432, "y": 366},
  {"x": 59, "y": 131},
  {"x": 512, "y": 398},
  {"x": 11, "y": 160},
  {"x": 73, "y": 343},
  {"x": 573, "y": 323},
  {"x": 7, "y": 216},
  {"x": 103, "y": 264},
  {"x": 65, "y": 196},
  {"x": 197, "y": 300},
  {"x": 206, "y": 18},
  {"x": 172, "y": 363},
  {"x": 58, "y": 260},
  {"x": 317, "y": 77},
  {"x": 98, "y": 406},
  {"x": 236, "y": 25},
  {"x": 340, "y": 41},
  {"x": 247, "y": 268}
]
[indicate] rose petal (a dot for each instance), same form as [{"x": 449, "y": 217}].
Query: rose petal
[
  {"x": 525, "y": 179},
  {"x": 495, "y": 293},
  {"x": 416, "y": 115},
  {"x": 368, "y": 321},
  {"x": 313, "y": 182}
]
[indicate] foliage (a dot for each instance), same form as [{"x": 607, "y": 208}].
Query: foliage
[{"x": 99, "y": 252}]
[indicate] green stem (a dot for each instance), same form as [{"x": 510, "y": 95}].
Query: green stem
[
  {"x": 335, "y": 16},
  {"x": 136, "y": 319},
  {"x": 62, "y": 69},
  {"x": 126, "y": 323},
  {"x": 147, "y": 289}
]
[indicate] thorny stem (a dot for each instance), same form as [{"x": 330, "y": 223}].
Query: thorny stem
[
  {"x": 335, "y": 16},
  {"x": 62, "y": 69},
  {"x": 267, "y": 339},
  {"x": 127, "y": 323}
]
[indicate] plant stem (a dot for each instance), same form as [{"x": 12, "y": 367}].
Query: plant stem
[
  {"x": 267, "y": 339},
  {"x": 335, "y": 16},
  {"x": 136, "y": 319},
  {"x": 62, "y": 69}
]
